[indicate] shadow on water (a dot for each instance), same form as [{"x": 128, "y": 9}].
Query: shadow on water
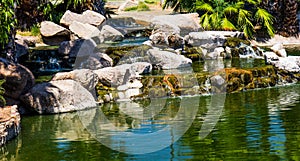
[{"x": 255, "y": 125}]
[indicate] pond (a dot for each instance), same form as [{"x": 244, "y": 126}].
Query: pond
[{"x": 253, "y": 125}]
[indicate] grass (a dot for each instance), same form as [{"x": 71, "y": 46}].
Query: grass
[{"x": 140, "y": 7}]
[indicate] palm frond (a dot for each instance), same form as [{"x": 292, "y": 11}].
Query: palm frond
[
  {"x": 205, "y": 7},
  {"x": 230, "y": 10},
  {"x": 204, "y": 21},
  {"x": 227, "y": 25},
  {"x": 266, "y": 18}
]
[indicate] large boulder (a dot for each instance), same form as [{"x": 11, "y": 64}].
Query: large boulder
[
  {"x": 87, "y": 78},
  {"x": 84, "y": 30},
  {"x": 58, "y": 97},
  {"x": 18, "y": 80},
  {"x": 179, "y": 24},
  {"x": 89, "y": 17},
  {"x": 121, "y": 74},
  {"x": 81, "y": 47},
  {"x": 109, "y": 33},
  {"x": 53, "y": 34},
  {"x": 289, "y": 64},
  {"x": 9, "y": 123},
  {"x": 168, "y": 60}
]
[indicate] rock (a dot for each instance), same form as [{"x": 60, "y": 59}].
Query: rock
[
  {"x": 89, "y": 17},
  {"x": 288, "y": 64},
  {"x": 95, "y": 61},
  {"x": 126, "y": 4},
  {"x": 18, "y": 80},
  {"x": 121, "y": 74},
  {"x": 9, "y": 123},
  {"x": 81, "y": 48},
  {"x": 210, "y": 39},
  {"x": 279, "y": 50},
  {"x": 58, "y": 97},
  {"x": 53, "y": 34},
  {"x": 168, "y": 60},
  {"x": 270, "y": 56},
  {"x": 109, "y": 33},
  {"x": 87, "y": 78},
  {"x": 84, "y": 30},
  {"x": 180, "y": 24},
  {"x": 159, "y": 39}
]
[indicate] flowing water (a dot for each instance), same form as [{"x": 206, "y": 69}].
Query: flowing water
[{"x": 254, "y": 125}]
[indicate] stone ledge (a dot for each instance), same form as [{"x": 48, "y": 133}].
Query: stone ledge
[{"x": 9, "y": 123}]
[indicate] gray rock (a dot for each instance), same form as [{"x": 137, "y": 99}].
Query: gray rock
[
  {"x": 95, "y": 61},
  {"x": 180, "y": 24},
  {"x": 53, "y": 34},
  {"x": 279, "y": 50},
  {"x": 84, "y": 30},
  {"x": 168, "y": 60},
  {"x": 109, "y": 33},
  {"x": 290, "y": 64},
  {"x": 126, "y": 4},
  {"x": 80, "y": 48},
  {"x": 87, "y": 78},
  {"x": 58, "y": 97},
  {"x": 121, "y": 74},
  {"x": 89, "y": 17}
]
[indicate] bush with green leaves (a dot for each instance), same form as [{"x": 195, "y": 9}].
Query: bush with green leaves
[
  {"x": 7, "y": 21},
  {"x": 245, "y": 16},
  {"x": 2, "y": 91}
]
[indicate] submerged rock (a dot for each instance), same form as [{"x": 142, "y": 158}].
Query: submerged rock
[
  {"x": 9, "y": 123},
  {"x": 58, "y": 97}
]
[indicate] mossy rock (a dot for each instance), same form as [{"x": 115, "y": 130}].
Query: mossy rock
[
  {"x": 235, "y": 42},
  {"x": 194, "y": 53}
]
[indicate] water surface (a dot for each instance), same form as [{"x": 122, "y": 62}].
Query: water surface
[{"x": 255, "y": 125}]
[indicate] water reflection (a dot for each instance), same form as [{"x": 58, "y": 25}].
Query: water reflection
[{"x": 255, "y": 125}]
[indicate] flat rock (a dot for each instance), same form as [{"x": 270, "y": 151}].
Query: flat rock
[{"x": 179, "y": 24}]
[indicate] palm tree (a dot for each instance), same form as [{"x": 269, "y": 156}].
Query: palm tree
[
  {"x": 285, "y": 13},
  {"x": 229, "y": 15}
]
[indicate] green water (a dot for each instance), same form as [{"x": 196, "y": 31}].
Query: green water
[{"x": 254, "y": 125}]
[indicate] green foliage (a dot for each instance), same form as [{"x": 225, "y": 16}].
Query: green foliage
[
  {"x": 2, "y": 91},
  {"x": 140, "y": 7},
  {"x": 7, "y": 20},
  {"x": 35, "y": 30},
  {"x": 234, "y": 15}
]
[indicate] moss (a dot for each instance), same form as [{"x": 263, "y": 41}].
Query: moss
[
  {"x": 140, "y": 7},
  {"x": 234, "y": 42}
]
